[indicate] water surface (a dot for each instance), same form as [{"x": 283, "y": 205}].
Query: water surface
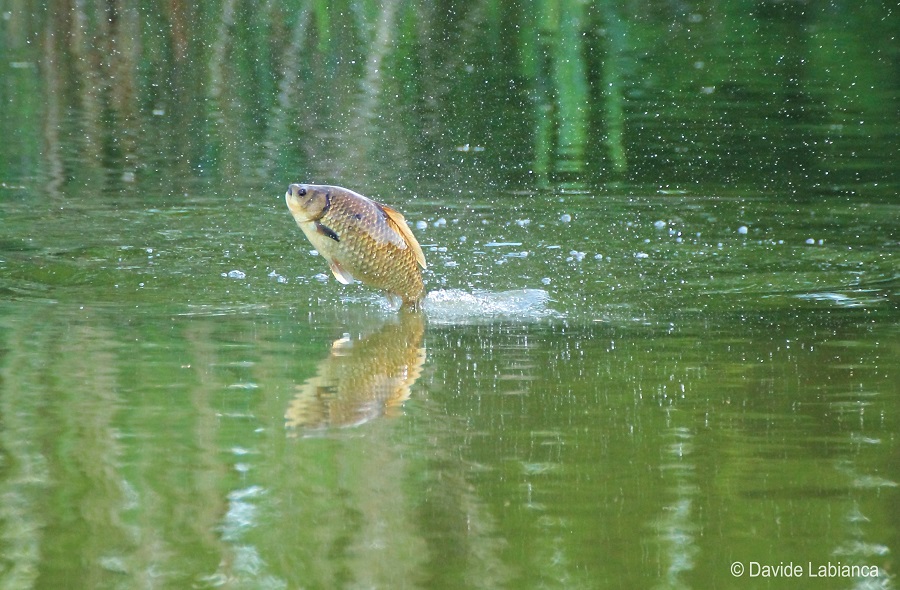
[{"x": 661, "y": 336}]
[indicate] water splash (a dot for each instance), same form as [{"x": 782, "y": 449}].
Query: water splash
[{"x": 454, "y": 306}]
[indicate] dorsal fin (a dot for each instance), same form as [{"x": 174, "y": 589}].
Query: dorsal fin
[{"x": 398, "y": 224}]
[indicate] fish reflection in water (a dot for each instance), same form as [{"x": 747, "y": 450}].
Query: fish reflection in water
[{"x": 362, "y": 379}]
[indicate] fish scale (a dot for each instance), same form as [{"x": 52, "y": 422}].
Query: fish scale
[{"x": 360, "y": 239}]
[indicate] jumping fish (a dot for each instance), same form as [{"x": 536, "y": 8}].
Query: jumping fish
[{"x": 361, "y": 239}]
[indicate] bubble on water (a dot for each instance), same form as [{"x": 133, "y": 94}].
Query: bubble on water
[
  {"x": 235, "y": 274},
  {"x": 659, "y": 224},
  {"x": 421, "y": 224},
  {"x": 440, "y": 222},
  {"x": 321, "y": 277},
  {"x": 810, "y": 241},
  {"x": 522, "y": 222},
  {"x": 546, "y": 280},
  {"x": 598, "y": 256},
  {"x": 462, "y": 239},
  {"x": 641, "y": 255},
  {"x": 743, "y": 230},
  {"x": 565, "y": 218},
  {"x": 278, "y": 277},
  {"x": 576, "y": 256}
]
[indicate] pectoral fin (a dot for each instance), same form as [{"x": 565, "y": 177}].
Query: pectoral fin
[
  {"x": 340, "y": 274},
  {"x": 327, "y": 231},
  {"x": 397, "y": 223}
]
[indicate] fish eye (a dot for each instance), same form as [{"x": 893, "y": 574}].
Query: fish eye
[{"x": 301, "y": 192}]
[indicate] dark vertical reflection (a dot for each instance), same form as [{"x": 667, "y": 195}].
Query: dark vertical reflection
[
  {"x": 613, "y": 86},
  {"x": 53, "y": 118},
  {"x": 370, "y": 105},
  {"x": 785, "y": 28},
  {"x": 569, "y": 77},
  {"x": 286, "y": 150}
]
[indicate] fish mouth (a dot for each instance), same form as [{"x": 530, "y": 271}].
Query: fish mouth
[
  {"x": 295, "y": 208},
  {"x": 298, "y": 199}
]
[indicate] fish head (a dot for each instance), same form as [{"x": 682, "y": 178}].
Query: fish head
[{"x": 308, "y": 202}]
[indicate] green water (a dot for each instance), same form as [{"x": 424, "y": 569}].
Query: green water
[{"x": 662, "y": 333}]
